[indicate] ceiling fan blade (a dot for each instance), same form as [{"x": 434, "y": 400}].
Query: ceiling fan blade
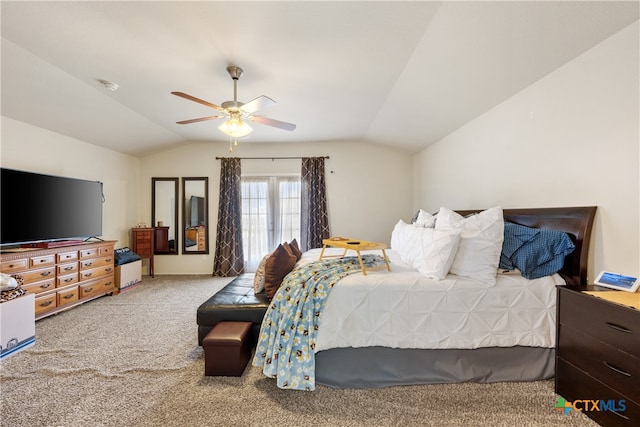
[
  {"x": 198, "y": 100},
  {"x": 201, "y": 119},
  {"x": 272, "y": 122},
  {"x": 257, "y": 104}
]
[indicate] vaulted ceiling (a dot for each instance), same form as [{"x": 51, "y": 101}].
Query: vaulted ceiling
[{"x": 403, "y": 74}]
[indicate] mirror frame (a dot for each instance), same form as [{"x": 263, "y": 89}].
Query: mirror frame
[
  {"x": 205, "y": 180},
  {"x": 174, "y": 224}
]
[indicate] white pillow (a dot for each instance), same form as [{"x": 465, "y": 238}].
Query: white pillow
[
  {"x": 425, "y": 219},
  {"x": 399, "y": 237},
  {"x": 428, "y": 250},
  {"x": 481, "y": 239}
]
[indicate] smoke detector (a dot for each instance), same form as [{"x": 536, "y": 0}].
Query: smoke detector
[{"x": 110, "y": 86}]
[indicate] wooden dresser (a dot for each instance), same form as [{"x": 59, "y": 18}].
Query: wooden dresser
[
  {"x": 63, "y": 277},
  {"x": 197, "y": 235},
  {"x": 142, "y": 243},
  {"x": 598, "y": 357}
]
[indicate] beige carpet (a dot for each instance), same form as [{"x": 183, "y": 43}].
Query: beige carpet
[{"x": 133, "y": 360}]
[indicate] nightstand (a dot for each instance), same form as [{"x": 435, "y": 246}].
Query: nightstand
[{"x": 598, "y": 356}]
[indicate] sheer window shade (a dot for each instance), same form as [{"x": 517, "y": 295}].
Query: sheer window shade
[{"x": 270, "y": 215}]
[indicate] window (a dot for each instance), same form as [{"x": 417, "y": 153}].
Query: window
[{"x": 270, "y": 215}]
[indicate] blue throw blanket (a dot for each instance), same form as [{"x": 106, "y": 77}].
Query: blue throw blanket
[{"x": 287, "y": 337}]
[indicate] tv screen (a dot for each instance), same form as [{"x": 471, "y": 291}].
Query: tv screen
[
  {"x": 196, "y": 206},
  {"x": 37, "y": 207}
]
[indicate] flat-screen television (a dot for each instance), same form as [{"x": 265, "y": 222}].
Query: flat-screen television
[
  {"x": 40, "y": 208},
  {"x": 196, "y": 207}
]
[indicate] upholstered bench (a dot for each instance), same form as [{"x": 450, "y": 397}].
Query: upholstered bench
[
  {"x": 236, "y": 302},
  {"x": 227, "y": 349}
]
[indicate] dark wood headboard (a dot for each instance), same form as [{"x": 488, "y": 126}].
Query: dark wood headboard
[{"x": 577, "y": 222}]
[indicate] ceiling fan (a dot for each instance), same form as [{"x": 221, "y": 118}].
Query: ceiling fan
[{"x": 237, "y": 113}]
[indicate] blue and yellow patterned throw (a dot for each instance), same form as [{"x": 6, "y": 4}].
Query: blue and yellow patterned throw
[{"x": 286, "y": 344}]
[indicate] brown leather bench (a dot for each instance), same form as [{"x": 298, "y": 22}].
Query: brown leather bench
[
  {"x": 227, "y": 349},
  {"x": 236, "y": 302}
]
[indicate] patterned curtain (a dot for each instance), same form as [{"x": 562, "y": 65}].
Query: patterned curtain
[
  {"x": 314, "y": 223},
  {"x": 228, "y": 259}
]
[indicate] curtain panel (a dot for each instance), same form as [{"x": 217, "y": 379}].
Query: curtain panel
[
  {"x": 314, "y": 221},
  {"x": 228, "y": 258}
]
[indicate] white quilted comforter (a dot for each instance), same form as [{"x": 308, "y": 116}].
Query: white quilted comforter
[{"x": 404, "y": 309}]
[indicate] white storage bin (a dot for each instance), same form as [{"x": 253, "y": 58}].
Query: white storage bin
[
  {"x": 17, "y": 325},
  {"x": 128, "y": 274}
]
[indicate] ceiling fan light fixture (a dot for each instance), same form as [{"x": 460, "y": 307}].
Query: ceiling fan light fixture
[{"x": 235, "y": 128}]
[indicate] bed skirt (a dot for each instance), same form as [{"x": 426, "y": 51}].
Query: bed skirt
[{"x": 375, "y": 367}]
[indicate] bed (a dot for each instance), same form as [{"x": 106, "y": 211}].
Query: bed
[{"x": 437, "y": 331}]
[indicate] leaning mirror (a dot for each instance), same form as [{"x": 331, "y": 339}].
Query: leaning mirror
[
  {"x": 164, "y": 215},
  {"x": 195, "y": 217}
]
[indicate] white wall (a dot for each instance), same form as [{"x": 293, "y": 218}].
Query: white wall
[
  {"x": 570, "y": 139},
  {"x": 34, "y": 149},
  {"x": 368, "y": 187}
]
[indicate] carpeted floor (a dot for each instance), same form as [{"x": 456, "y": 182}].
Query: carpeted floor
[{"x": 133, "y": 360}]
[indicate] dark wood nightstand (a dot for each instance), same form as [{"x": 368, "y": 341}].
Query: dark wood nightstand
[{"x": 598, "y": 357}]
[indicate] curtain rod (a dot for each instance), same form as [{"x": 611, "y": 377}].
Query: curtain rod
[{"x": 267, "y": 158}]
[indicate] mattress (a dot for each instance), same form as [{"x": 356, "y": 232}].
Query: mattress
[{"x": 404, "y": 309}]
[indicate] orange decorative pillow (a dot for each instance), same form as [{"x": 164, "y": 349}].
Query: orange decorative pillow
[{"x": 276, "y": 267}]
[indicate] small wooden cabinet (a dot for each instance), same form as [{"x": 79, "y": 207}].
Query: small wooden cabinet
[
  {"x": 63, "y": 277},
  {"x": 598, "y": 356},
  {"x": 142, "y": 243}
]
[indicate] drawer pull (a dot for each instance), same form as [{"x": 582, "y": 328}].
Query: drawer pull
[
  {"x": 618, "y": 328},
  {"x": 107, "y": 269},
  {"x": 88, "y": 274},
  {"x": 69, "y": 279},
  {"x": 88, "y": 290},
  {"x": 45, "y": 304},
  {"x": 68, "y": 268},
  {"x": 45, "y": 286},
  {"x": 108, "y": 259},
  {"x": 88, "y": 264},
  {"x": 45, "y": 273},
  {"x": 615, "y": 369},
  {"x": 68, "y": 296}
]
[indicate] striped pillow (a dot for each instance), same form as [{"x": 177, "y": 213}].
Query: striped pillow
[{"x": 258, "y": 280}]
